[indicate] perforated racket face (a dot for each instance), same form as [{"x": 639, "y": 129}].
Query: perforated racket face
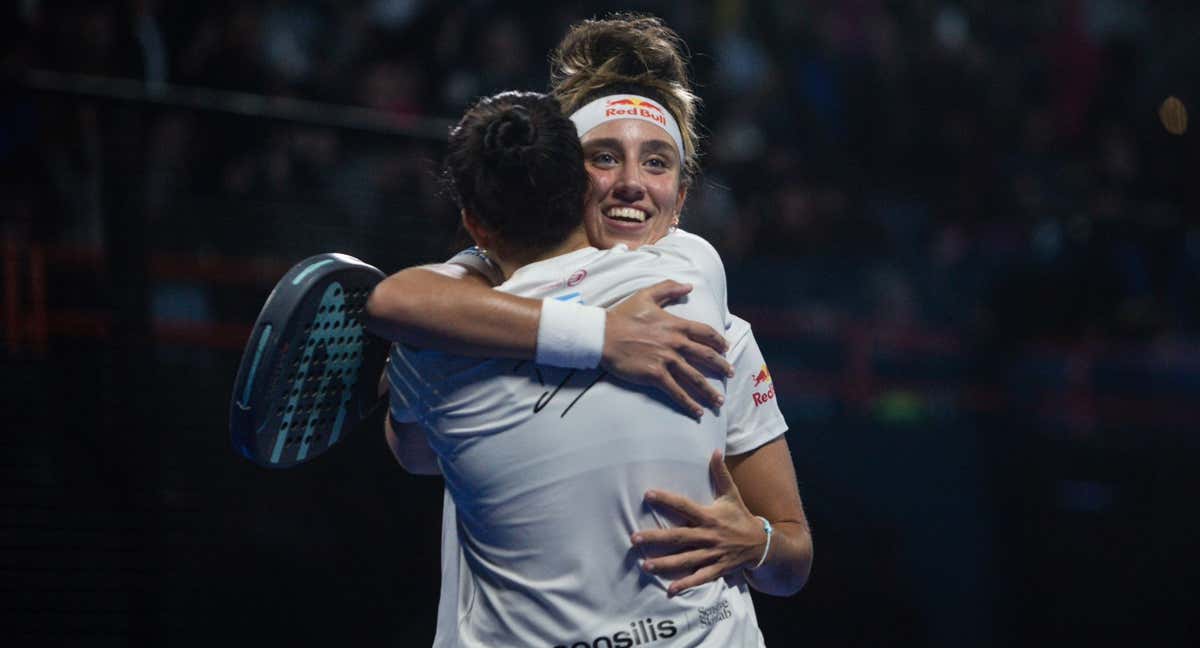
[{"x": 310, "y": 372}]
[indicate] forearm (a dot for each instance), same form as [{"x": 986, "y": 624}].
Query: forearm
[
  {"x": 446, "y": 308},
  {"x": 424, "y": 308},
  {"x": 788, "y": 562},
  {"x": 767, "y": 483}
]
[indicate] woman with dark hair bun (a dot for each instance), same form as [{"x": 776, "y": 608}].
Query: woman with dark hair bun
[
  {"x": 506, "y": 149},
  {"x": 547, "y": 468},
  {"x": 623, "y": 81}
]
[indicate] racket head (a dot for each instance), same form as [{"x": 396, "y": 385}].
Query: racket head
[{"x": 310, "y": 372}]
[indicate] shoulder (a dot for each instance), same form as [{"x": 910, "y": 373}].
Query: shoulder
[
  {"x": 702, "y": 256},
  {"x": 697, "y": 252},
  {"x": 477, "y": 260},
  {"x": 549, "y": 277},
  {"x": 694, "y": 247}
]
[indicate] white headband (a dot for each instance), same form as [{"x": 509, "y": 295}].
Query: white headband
[{"x": 627, "y": 106}]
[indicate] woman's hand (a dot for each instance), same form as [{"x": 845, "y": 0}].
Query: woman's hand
[
  {"x": 646, "y": 345},
  {"x": 721, "y": 538}
]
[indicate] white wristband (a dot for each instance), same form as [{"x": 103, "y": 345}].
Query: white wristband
[
  {"x": 769, "y": 531},
  {"x": 570, "y": 335}
]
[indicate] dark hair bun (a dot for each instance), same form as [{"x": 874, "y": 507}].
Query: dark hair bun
[
  {"x": 508, "y": 137},
  {"x": 515, "y": 162}
]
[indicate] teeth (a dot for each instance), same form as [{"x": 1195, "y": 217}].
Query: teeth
[{"x": 627, "y": 213}]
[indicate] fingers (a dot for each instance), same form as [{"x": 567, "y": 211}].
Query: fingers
[
  {"x": 679, "y": 504},
  {"x": 673, "y": 537},
  {"x": 682, "y": 560},
  {"x": 707, "y": 562},
  {"x": 684, "y": 374},
  {"x": 706, "y": 359},
  {"x": 668, "y": 382},
  {"x": 703, "y": 547},
  {"x": 664, "y": 292},
  {"x": 722, "y": 478},
  {"x": 701, "y": 576},
  {"x": 706, "y": 335}
]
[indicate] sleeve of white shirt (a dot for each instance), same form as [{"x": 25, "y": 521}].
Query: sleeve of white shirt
[
  {"x": 754, "y": 417},
  {"x": 478, "y": 260},
  {"x": 398, "y": 406}
]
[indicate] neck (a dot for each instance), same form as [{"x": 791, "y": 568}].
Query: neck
[{"x": 511, "y": 262}]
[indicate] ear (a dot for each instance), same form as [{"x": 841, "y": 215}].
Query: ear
[{"x": 478, "y": 231}]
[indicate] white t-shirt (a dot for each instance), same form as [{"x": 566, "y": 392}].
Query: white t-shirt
[
  {"x": 756, "y": 418},
  {"x": 547, "y": 469}
]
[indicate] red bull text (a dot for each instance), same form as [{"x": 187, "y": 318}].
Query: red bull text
[
  {"x": 763, "y": 376},
  {"x": 635, "y": 108}
]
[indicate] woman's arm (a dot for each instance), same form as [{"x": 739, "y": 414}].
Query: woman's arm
[
  {"x": 448, "y": 308},
  {"x": 756, "y": 478},
  {"x": 405, "y": 438},
  {"x": 445, "y": 307},
  {"x": 766, "y": 480}
]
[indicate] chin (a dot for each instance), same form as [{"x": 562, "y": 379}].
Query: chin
[{"x": 604, "y": 234}]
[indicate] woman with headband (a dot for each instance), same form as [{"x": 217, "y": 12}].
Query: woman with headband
[{"x": 608, "y": 74}]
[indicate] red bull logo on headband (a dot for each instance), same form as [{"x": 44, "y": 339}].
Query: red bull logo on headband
[
  {"x": 763, "y": 376},
  {"x": 627, "y": 106},
  {"x": 635, "y": 107}
]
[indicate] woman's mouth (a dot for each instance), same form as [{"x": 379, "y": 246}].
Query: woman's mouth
[{"x": 626, "y": 214}]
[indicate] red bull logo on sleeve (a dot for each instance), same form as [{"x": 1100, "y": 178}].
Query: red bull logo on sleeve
[
  {"x": 763, "y": 376},
  {"x": 635, "y": 107}
]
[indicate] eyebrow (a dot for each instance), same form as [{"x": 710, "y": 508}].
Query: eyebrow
[
  {"x": 651, "y": 146},
  {"x": 659, "y": 146}
]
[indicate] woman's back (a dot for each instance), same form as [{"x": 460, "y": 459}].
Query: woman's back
[{"x": 548, "y": 468}]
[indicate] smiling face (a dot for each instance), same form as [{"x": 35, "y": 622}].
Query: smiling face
[{"x": 636, "y": 192}]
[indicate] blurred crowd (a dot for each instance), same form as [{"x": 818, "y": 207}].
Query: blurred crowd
[{"x": 993, "y": 166}]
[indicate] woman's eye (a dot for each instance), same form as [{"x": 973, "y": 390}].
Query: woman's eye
[{"x": 657, "y": 163}]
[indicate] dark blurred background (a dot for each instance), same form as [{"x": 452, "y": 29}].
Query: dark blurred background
[{"x": 969, "y": 249}]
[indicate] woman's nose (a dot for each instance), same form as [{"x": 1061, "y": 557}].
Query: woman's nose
[{"x": 629, "y": 186}]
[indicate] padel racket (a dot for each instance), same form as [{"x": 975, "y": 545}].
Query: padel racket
[{"x": 310, "y": 372}]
